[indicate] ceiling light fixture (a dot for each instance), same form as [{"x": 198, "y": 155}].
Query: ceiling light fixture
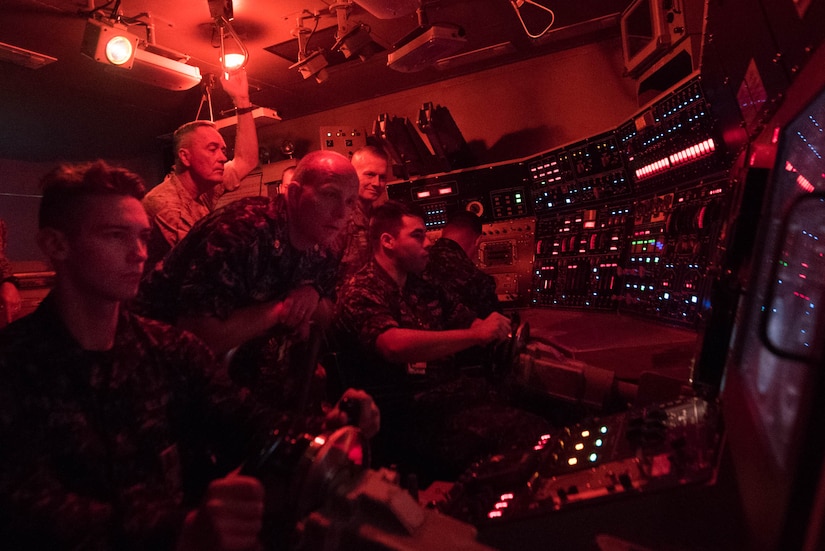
[
  {"x": 350, "y": 40},
  {"x": 425, "y": 45},
  {"x": 309, "y": 64},
  {"x": 356, "y": 42},
  {"x": 313, "y": 65},
  {"x": 108, "y": 41},
  {"x": 517, "y": 4},
  {"x": 234, "y": 54}
]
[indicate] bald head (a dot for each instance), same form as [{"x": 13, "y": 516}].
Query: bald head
[
  {"x": 320, "y": 198},
  {"x": 324, "y": 166}
]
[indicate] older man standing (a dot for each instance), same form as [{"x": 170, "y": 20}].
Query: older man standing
[
  {"x": 202, "y": 172},
  {"x": 372, "y": 164}
]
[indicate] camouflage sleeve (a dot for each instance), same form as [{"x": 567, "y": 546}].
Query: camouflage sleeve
[
  {"x": 171, "y": 225},
  {"x": 456, "y": 312},
  {"x": 323, "y": 273},
  {"x": 217, "y": 265},
  {"x": 462, "y": 281},
  {"x": 40, "y": 511},
  {"x": 169, "y": 220},
  {"x": 458, "y": 316},
  {"x": 364, "y": 314},
  {"x": 485, "y": 289}
]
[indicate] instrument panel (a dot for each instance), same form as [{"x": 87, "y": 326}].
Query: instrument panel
[{"x": 627, "y": 220}]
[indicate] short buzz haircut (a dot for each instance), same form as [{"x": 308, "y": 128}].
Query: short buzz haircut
[
  {"x": 319, "y": 167},
  {"x": 288, "y": 172},
  {"x": 464, "y": 220},
  {"x": 182, "y": 136},
  {"x": 389, "y": 218},
  {"x": 372, "y": 150},
  {"x": 66, "y": 189}
]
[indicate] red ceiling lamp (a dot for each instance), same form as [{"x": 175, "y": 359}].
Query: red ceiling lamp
[{"x": 110, "y": 43}]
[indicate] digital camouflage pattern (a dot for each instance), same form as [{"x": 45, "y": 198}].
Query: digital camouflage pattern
[
  {"x": 108, "y": 450},
  {"x": 173, "y": 212},
  {"x": 465, "y": 283},
  {"x": 238, "y": 256},
  {"x": 354, "y": 243},
  {"x": 434, "y": 423}
]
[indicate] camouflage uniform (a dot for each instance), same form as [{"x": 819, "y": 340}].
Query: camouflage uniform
[
  {"x": 354, "y": 243},
  {"x": 173, "y": 211},
  {"x": 238, "y": 256},
  {"x": 434, "y": 422},
  {"x": 108, "y": 449},
  {"x": 370, "y": 304},
  {"x": 451, "y": 269}
]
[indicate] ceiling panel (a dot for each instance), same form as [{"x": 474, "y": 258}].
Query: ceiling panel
[{"x": 75, "y": 88}]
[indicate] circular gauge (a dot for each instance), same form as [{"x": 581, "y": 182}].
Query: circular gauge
[{"x": 475, "y": 207}]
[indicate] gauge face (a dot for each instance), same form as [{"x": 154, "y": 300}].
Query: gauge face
[{"x": 475, "y": 207}]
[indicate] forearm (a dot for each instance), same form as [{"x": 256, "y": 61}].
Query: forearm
[
  {"x": 414, "y": 345},
  {"x": 242, "y": 325},
  {"x": 246, "y": 140}
]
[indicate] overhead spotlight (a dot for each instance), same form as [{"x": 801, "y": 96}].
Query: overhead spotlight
[
  {"x": 518, "y": 4},
  {"x": 351, "y": 40},
  {"x": 110, "y": 43},
  {"x": 309, "y": 64},
  {"x": 356, "y": 42},
  {"x": 313, "y": 65},
  {"x": 234, "y": 54}
]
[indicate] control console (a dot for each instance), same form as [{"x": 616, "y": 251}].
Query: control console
[{"x": 642, "y": 450}]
